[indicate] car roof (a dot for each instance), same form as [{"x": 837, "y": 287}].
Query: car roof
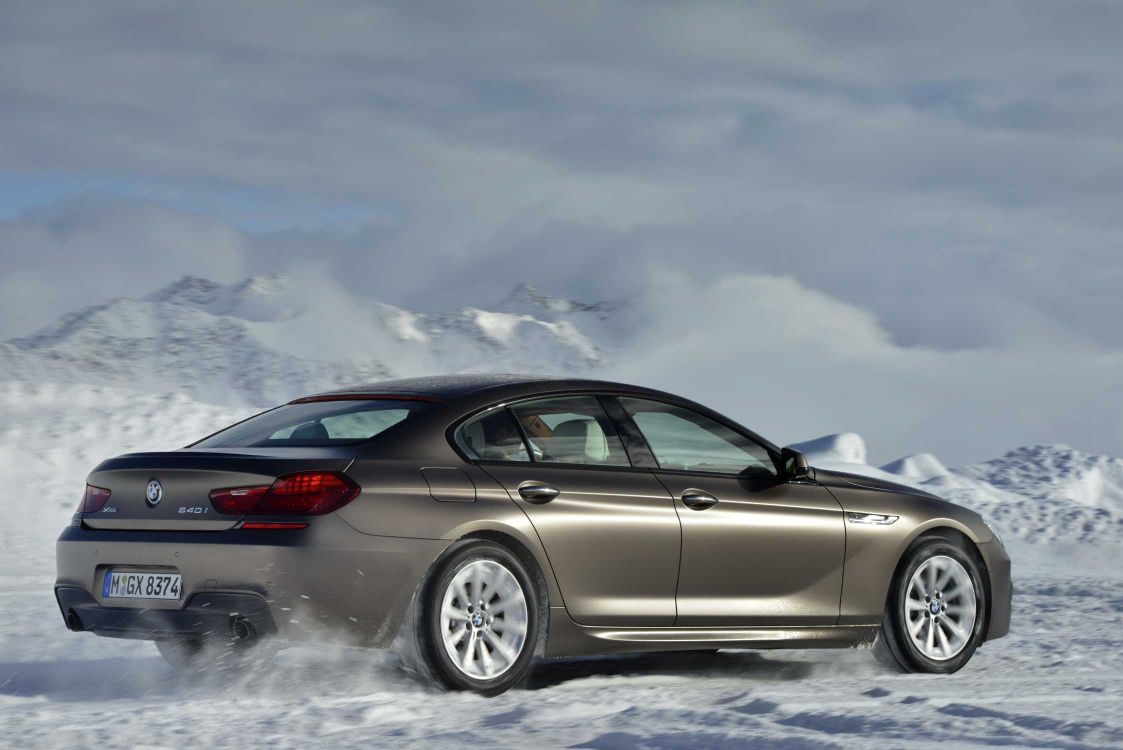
[
  {"x": 453, "y": 387},
  {"x": 464, "y": 394}
]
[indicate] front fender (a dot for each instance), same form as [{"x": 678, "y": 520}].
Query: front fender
[{"x": 873, "y": 551}]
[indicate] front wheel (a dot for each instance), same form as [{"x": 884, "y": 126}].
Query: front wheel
[
  {"x": 479, "y": 620},
  {"x": 936, "y": 610}
]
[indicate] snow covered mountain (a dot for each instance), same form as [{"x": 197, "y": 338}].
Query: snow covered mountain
[
  {"x": 268, "y": 338},
  {"x": 1037, "y": 494},
  {"x": 1044, "y": 493}
]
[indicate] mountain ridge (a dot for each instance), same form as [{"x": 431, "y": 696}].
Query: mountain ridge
[{"x": 271, "y": 337}]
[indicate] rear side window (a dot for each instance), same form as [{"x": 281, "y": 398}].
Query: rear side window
[
  {"x": 492, "y": 437},
  {"x": 317, "y": 423},
  {"x": 571, "y": 430}
]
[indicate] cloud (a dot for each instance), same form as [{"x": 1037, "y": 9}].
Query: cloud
[
  {"x": 951, "y": 173},
  {"x": 954, "y": 170},
  {"x": 82, "y": 252}
]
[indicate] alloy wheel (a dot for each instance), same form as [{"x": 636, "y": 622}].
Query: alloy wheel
[
  {"x": 940, "y": 608},
  {"x": 483, "y": 619}
]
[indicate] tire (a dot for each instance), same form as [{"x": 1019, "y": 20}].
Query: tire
[
  {"x": 464, "y": 645},
  {"x": 936, "y": 610}
]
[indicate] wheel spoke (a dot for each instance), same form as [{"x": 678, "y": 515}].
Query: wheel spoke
[
  {"x": 460, "y": 591},
  {"x": 469, "y": 652},
  {"x": 955, "y": 628},
  {"x": 506, "y": 651},
  {"x": 943, "y": 578},
  {"x": 486, "y": 661},
  {"x": 915, "y": 606},
  {"x": 944, "y": 645},
  {"x": 449, "y": 612},
  {"x": 476, "y": 589},
  {"x": 501, "y": 606}
]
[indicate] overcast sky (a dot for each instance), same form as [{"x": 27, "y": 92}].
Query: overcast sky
[{"x": 946, "y": 176}]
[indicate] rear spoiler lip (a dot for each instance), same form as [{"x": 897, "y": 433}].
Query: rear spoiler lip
[
  {"x": 329, "y": 458},
  {"x": 367, "y": 397}
]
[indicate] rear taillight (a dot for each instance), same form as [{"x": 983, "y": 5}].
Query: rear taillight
[
  {"x": 94, "y": 499},
  {"x": 238, "y": 500},
  {"x": 309, "y": 493}
]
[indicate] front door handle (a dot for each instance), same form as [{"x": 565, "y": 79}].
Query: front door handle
[
  {"x": 537, "y": 492},
  {"x": 698, "y": 500}
]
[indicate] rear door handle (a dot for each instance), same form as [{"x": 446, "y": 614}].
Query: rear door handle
[
  {"x": 698, "y": 500},
  {"x": 537, "y": 492}
]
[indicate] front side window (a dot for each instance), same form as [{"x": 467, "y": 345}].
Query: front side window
[
  {"x": 493, "y": 436},
  {"x": 315, "y": 423},
  {"x": 684, "y": 440},
  {"x": 570, "y": 430}
]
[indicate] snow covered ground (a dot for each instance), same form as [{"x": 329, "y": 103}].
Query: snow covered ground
[{"x": 1056, "y": 681}]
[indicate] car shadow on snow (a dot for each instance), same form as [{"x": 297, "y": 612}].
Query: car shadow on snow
[
  {"x": 748, "y": 664},
  {"x": 331, "y": 669},
  {"x": 80, "y": 680},
  {"x": 87, "y": 679}
]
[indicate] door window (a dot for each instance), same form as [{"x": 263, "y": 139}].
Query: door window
[
  {"x": 684, "y": 440},
  {"x": 570, "y": 430},
  {"x": 493, "y": 436}
]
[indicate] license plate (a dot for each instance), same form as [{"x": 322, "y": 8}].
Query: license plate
[{"x": 141, "y": 585}]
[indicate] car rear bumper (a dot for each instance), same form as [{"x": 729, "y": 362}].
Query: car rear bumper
[
  {"x": 210, "y": 614},
  {"x": 327, "y": 578}
]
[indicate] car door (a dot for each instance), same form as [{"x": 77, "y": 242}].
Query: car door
[
  {"x": 757, "y": 549},
  {"x": 610, "y": 531}
]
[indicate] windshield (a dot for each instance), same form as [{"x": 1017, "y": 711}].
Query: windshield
[{"x": 317, "y": 423}]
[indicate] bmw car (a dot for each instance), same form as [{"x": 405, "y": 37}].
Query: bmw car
[{"x": 474, "y": 523}]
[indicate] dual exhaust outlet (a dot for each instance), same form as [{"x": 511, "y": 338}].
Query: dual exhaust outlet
[{"x": 241, "y": 629}]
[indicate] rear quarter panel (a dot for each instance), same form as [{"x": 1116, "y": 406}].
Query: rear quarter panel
[{"x": 396, "y": 501}]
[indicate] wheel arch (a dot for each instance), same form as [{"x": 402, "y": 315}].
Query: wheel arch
[{"x": 874, "y": 555}]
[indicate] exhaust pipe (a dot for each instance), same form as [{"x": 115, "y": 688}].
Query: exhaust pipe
[
  {"x": 74, "y": 622},
  {"x": 241, "y": 629}
]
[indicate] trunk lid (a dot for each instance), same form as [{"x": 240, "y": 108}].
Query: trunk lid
[{"x": 186, "y": 478}]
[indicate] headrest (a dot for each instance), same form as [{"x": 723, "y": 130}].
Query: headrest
[
  {"x": 310, "y": 431},
  {"x": 569, "y": 441}
]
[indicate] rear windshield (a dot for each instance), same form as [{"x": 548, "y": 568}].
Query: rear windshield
[{"x": 315, "y": 424}]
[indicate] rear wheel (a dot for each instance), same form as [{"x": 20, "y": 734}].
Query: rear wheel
[
  {"x": 478, "y": 623},
  {"x": 936, "y": 609}
]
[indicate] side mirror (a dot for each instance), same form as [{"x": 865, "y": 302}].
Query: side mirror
[{"x": 795, "y": 464}]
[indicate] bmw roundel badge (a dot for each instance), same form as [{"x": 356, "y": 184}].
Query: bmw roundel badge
[{"x": 154, "y": 493}]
